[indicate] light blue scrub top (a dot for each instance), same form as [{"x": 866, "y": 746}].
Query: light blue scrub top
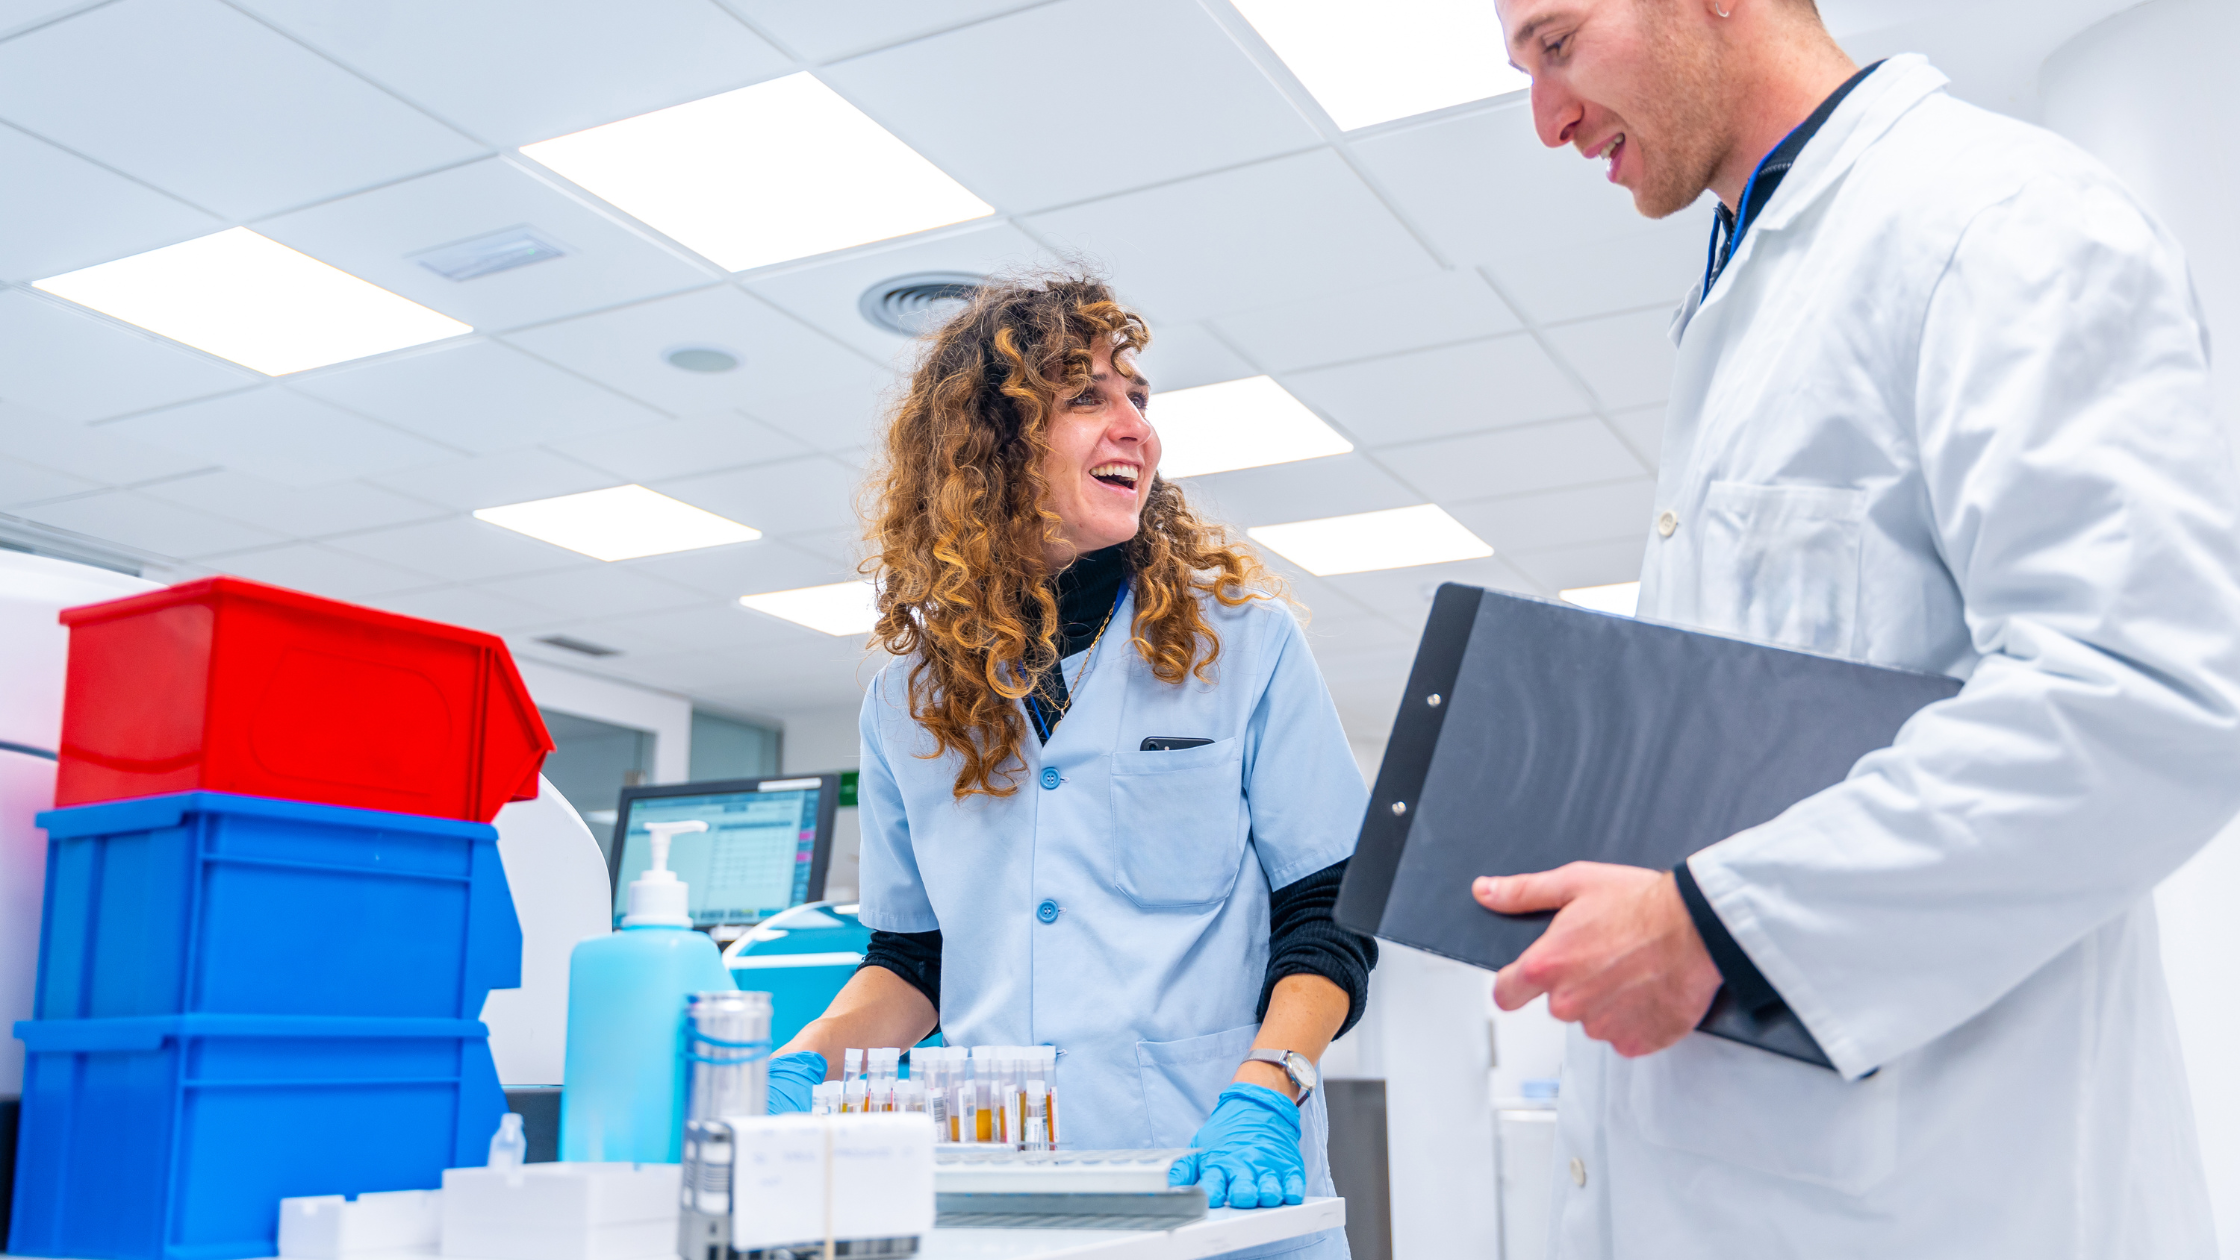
[{"x": 1116, "y": 905}]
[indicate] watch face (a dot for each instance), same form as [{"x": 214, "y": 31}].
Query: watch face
[{"x": 1302, "y": 1069}]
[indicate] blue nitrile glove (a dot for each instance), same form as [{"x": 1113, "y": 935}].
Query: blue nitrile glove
[
  {"x": 1247, "y": 1151},
  {"x": 792, "y": 1076}
]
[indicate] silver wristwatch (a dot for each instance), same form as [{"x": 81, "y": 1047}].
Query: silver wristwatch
[{"x": 1295, "y": 1065}]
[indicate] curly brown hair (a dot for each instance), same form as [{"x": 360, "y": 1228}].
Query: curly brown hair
[{"x": 959, "y": 521}]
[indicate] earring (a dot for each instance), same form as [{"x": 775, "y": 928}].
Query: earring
[{"x": 1721, "y": 12}]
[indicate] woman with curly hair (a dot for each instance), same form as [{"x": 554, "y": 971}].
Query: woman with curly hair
[{"x": 1106, "y": 801}]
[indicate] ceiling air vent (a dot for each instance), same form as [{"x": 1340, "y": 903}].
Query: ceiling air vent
[
  {"x": 914, "y": 304},
  {"x": 483, "y": 255},
  {"x": 573, "y": 644}
]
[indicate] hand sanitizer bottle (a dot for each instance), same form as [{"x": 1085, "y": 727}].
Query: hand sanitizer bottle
[{"x": 622, "y": 1096}]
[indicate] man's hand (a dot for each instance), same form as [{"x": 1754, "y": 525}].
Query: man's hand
[{"x": 1622, "y": 958}]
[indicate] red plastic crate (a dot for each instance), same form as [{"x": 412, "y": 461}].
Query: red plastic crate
[{"x": 229, "y": 685}]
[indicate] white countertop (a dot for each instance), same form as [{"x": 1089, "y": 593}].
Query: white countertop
[{"x": 1223, "y": 1229}]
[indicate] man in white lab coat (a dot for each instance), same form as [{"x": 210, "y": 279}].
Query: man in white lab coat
[{"x": 1941, "y": 402}]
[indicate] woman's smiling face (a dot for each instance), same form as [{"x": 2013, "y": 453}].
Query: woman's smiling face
[{"x": 1102, "y": 455}]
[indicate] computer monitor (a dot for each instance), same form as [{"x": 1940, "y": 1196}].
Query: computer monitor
[{"x": 767, "y": 846}]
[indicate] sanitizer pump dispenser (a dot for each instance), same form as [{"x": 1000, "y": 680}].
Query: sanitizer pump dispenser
[{"x": 622, "y": 1099}]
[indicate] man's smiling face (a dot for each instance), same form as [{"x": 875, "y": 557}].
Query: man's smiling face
[{"x": 1634, "y": 84}]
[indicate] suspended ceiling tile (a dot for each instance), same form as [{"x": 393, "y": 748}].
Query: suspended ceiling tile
[
  {"x": 73, "y": 365},
  {"x": 281, "y": 436},
  {"x": 1485, "y": 188},
  {"x": 1557, "y": 518},
  {"x": 848, "y": 423},
  {"x": 1276, "y": 231},
  {"x": 1433, "y": 393},
  {"x": 461, "y": 549},
  {"x": 1587, "y": 564},
  {"x": 496, "y": 480},
  {"x": 604, "y": 590},
  {"x": 29, "y": 483},
  {"x": 213, "y": 106},
  {"x": 1652, "y": 264},
  {"x": 778, "y": 355},
  {"x": 303, "y": 512},
  {"x": 627, "y": 643},
  {"x": 63, "y": 212},
  {"x": 472, "y": 606},
  {"x": 765, "y": 564},
  {"x": 16, "y": 15},
  {"x": 793, "y": 496},
  {"x": 85, "y": 451},
  {"x": 517, "y": 71},
  {"x": 1324, "y": 328},
  {"x": 374, "y": 235},
  {"x": 1185, "y": 355},
  {"x": 1627, "y": 360},
  {"x": 1513, "y": 461},
  {"x": 828, "y": 294},
  {"x": 134, "y": 520},
  {"x": 323, "y": 571},
  {"x": 1643, "y": 427},
  {"x": 713, "y": 626},
  {"x": 1336, "y": 485},
  {"x": 957, "y": 99},
  {"x": 482, "y": 396},
  {"x": 842, "y": 547},
  {"x": 1405, "y": 595},
  {"x": 677, "y": 448},
  {"x": 823, "y": 31}
]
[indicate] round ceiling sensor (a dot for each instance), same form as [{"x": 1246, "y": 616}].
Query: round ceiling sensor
[
  {"x": 917, "y": 303},
  {"x": 701, "y": 359}
]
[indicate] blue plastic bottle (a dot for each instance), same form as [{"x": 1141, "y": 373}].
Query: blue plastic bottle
[{"x": 622, "y": 1096}]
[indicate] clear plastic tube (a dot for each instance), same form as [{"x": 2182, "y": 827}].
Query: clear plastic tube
[
  {"x": 1035, "y": 1110},
  {"x": 886, "y": 1067},
  {"x": 1047, "y": 1066}
]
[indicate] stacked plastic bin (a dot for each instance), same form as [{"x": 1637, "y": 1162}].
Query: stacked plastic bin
[{"x": 274, "y": 907}]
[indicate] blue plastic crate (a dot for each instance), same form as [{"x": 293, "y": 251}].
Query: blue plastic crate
[
  {"x": 211, "y": 902},
  {"x": 175, "y": 1138}
]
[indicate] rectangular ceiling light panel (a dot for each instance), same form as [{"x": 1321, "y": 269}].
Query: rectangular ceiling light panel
[
  {"x": 1369, "y": 64},
  {"x": 779, "y": 170},
  {"x": 250, "y": 299},
  {"x": 843, "y": 608},
  {"x": 1394, "y": 539},
  {"x": 622, "y": 523},
  {"x": 1617, "y": 597},
  {"x": 1237, "y": 424}
]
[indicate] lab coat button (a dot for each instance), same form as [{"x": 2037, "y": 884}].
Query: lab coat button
[
  {"x": 1050, "y": 777},
  {"x": 1047, "y": 911},
  {"x": 1667, "y": 521},
  {"x": 1579, "y": 1172}
]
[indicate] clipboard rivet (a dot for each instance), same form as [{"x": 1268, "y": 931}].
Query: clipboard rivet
[
  {"x": 1432, "y": 699},
  {"x": 1399, "y": 808}
]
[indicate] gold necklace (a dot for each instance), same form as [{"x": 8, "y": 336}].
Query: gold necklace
[{"x": 1082, "y": 677}]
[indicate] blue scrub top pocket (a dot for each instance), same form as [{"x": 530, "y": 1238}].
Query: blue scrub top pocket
[{"x": 1178, "y": 825}]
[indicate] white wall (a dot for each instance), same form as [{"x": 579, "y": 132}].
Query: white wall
[
  {"x": 818, "y": 740},
  {"x": 2151, "y": 93},
  {"x": 668, "y": 717}
]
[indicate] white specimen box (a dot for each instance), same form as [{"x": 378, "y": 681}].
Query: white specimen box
[
  {"x": 561, "y": 1212},
  {"x": 798, "y": 1179},
  {"x": 331, "y": 1227}
]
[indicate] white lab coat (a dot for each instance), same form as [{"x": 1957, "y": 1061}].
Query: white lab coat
[{"x": 1947, "y": 409}]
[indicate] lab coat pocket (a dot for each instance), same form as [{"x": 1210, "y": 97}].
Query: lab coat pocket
[
  {"x": 1178, "y": 827},
  {"x": 1780, "y": 564},
  {"x": 1182, "y": 1079},
  {"x": 1713, "y": 1097}
]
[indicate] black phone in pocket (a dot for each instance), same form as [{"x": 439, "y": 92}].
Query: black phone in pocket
[{"x": 1169, "y": 743}]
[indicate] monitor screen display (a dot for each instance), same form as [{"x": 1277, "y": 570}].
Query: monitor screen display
[{"x": 755, "y": 859}]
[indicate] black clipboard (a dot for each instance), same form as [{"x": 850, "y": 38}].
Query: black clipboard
[{"x": 1535, "y": 733}]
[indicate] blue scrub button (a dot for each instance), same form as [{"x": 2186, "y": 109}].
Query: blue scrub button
[
  {"x": 1047, "y": 911},
  {"x": 1050, "y": 780}
]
